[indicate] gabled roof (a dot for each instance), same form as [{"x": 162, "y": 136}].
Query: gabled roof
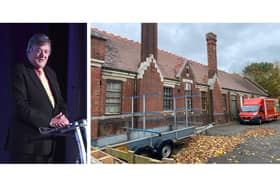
[
  {"x": 227, "y": 80},
  {"x": 124, "y": 54}
]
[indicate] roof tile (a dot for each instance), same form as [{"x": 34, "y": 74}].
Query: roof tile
[{"x": 124, "y": 54}]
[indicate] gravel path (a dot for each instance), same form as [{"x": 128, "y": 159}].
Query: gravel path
[{"x": 254, "y": 149}]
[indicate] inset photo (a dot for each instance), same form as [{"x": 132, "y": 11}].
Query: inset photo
[
  {"x": 185, "y": 93},
  {"x": 44, "y": 72}
]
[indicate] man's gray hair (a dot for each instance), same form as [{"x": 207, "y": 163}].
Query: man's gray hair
[{"x": 37, "y": 39}]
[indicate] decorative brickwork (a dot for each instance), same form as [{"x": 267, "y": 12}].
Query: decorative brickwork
[
  {"x": 211, "y": 54},
  {"x": 98, "y": 52},
  {"x": 149, "y": 40}
]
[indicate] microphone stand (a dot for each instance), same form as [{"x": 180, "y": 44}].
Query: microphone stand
[{"x": 61, "y": 131}]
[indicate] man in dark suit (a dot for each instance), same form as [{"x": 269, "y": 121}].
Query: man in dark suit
[{"x": 38, "y": 103}]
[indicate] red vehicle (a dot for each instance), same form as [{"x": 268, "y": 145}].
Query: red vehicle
[{"x": 257, "y": 110}]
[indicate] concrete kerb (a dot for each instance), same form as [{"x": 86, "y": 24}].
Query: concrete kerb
[{"x": 231, "y": 123}]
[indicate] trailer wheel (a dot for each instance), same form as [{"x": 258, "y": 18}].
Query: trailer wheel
[
  {"x": 145, "y": 151},
  {"x": 165, "y": 149}
]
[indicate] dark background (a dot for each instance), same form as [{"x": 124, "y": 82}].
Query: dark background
[{"x": 68, "y": 59}]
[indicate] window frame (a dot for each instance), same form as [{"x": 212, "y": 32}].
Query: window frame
[
  {"x": 188, "y": 96},
  {"x": 204, "y": 98},
  {"x": 112, "y": 104},
  {"x": 167, "y": 99},
  {"x": 225, "y": 103}
]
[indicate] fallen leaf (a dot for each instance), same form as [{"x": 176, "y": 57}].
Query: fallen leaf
[{"x": 200, "y": 148}]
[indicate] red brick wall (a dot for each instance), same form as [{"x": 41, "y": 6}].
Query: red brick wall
[
  {"x": 217, "y": 95},
  {"x": 217, "y": 104},
  {"x": 109, "y": 127},
  {"x": 196, "y": 101},
  {"x": 97, "y": 52},
  {"x": 150, "y": 84},
  {"x": 212, "y": 54},
  {"x": 98, "y": 48},
  {"x": 103, "y": 96},
  {"x": 238, "y": 103},
  {"x": 229, "y": 104},
  {"x": 95, "y": 97},
  {"x": 180, "y": 90},
  {"x": 228, "y": 101},
  {"x": 95, "y": 90},
  {"x": 227, "y": 113},
  {"x": 127, "y": 92},
  {"x": 148, "y": 40}
]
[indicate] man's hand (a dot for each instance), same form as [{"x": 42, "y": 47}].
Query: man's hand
[{"x": 60, "y": 120}]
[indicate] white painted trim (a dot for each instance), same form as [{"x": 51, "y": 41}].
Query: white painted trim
[
  {"x": 144, "y": 66},
  {"x": 96, "y": 62},
  {"x": 212, "y": 81},
  {"x": 117, "y": 75},
  {"x": 170, "y": 83},
  {"x": 182, "y": 68},
  {"x": 202, "y": 87},
  {"x": 114, "y": 78},
  {"x": 96, "y": 65},
  {"x": 242, "y": 94},
  {"x": 188, "y": 81},
  {"x": 225, "y": 91}
]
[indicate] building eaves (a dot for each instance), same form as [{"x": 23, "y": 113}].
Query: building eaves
[{"x": 98, "y": 35}]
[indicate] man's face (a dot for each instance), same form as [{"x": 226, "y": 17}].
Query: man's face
[{"x": 39, "y": 54}]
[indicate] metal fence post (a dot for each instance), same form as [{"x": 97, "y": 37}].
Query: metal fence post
[
  {"x": 144, "y": 111},
  {"x": 174, "y": 112},
  {"x": 132, "y": 112},
  {"x": 186, "y": 104}
]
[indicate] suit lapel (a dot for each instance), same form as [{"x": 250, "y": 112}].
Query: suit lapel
[
  {"x": 40, "y": 86},
  {"x": 36, "y": 81}
]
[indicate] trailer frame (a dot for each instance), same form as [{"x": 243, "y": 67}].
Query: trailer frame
[{"x": 158, "y": 140}]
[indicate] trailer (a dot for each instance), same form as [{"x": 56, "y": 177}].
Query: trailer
[{"x": 160, "y": 140}]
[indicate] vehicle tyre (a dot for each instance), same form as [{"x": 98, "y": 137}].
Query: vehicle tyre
[
  {"x": 144, "y": 151},
  {"x": 260, "y": 121},
  {"x": 165, "y": 149}
]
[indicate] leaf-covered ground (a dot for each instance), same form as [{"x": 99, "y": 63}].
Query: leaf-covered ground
[{"x": 199, "y": 148}]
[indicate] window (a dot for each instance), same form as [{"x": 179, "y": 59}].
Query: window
[
  {"x": 234, "y": 111},
  {"x": 188, "y": 94},
  {"x": 204, "y": 101},
  {"x": 113, "y": 97},
  {"x": 224, "y": 102},
  {"x": 167, "y": 98}
]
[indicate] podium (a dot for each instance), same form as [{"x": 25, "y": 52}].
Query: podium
[{"x": 80, "y": 138}]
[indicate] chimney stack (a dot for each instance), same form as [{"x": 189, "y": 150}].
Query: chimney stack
[
  {"x": 211, "y": 39},
  {"x": 148, "y": 40}
]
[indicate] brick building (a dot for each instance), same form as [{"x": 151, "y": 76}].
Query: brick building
[{"x": 122, "y": 68}]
